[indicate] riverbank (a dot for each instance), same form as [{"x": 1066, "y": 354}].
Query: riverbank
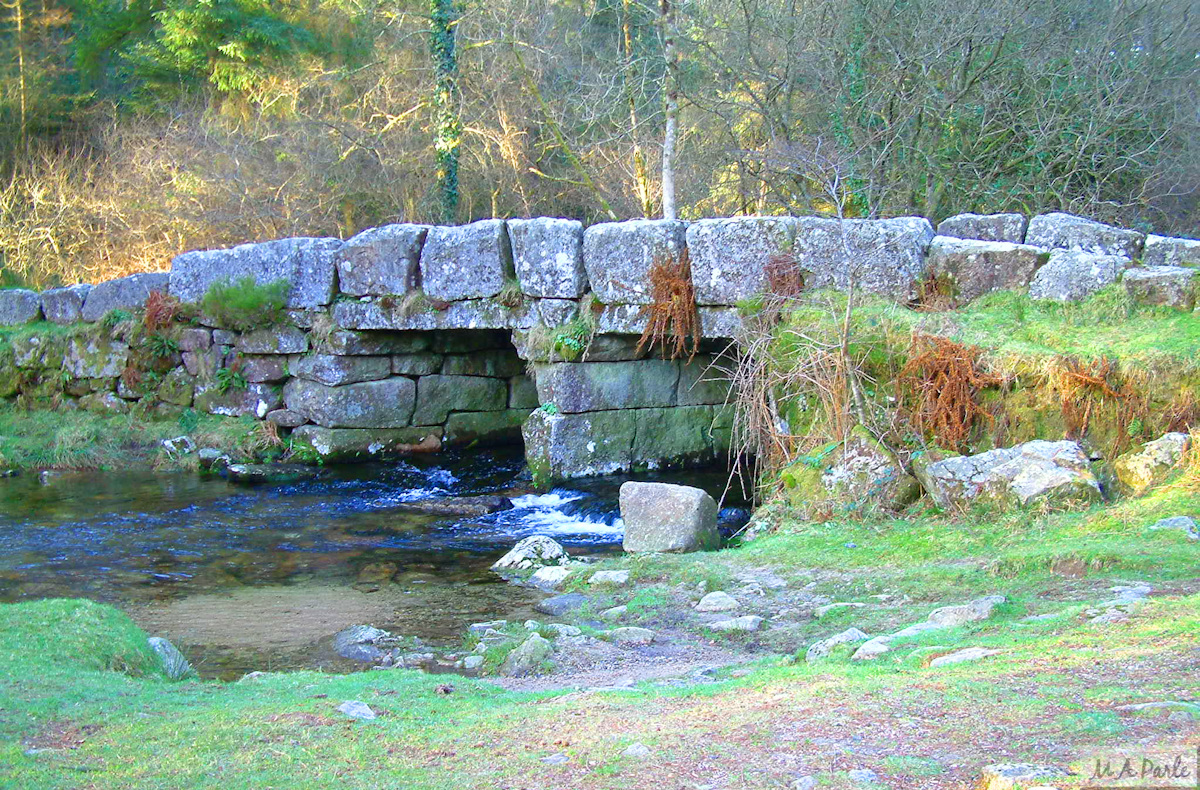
[{"x": 1063, "y": 656}]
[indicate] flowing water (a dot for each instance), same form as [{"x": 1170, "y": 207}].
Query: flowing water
[{"x": 246, "y": 578}]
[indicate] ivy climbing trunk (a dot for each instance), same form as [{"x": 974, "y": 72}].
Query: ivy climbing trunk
[
  {"x": 667, "y": 18},
  {"x": 448, "y": 127}
]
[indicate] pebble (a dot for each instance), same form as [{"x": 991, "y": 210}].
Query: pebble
[
  {"x": 558, "y": 758},
  {"x": 617, "y": 578},
  {"x": 805, "y": 783},
  {"x": 863, "y": 775},
  {"x": 631, "y": 635},
  {"x": 638, "y": 751},
  {"x": 748, "y": 622},
  {"x": 717, "y": 602},
  {"x": 357, "y": 710},
  {"x": 962, "y": 656},
  {"x": 614, "y": 613}
]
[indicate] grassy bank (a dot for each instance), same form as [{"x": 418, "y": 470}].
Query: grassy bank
[{"x": 83, "y": 705}]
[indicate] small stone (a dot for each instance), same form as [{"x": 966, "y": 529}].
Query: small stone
[
  {"x": 1184, "y": 523},
  {"x": 528, "y": 657},
  {"x": 550, "y": 577},
  {"x": 637, "y": 751},
  {"x": 805, "y": 783},
  {"x": 614, "y": 613},
  {"x": 558, "y": 605},
  {"x": 962, "y": 656},
  {"x": 557, "y": 758},
  {"x": 871, "y": 649},
  {"x": 862, "y": 776},
  {"x": 174, "y": 663},
  {"x": 717, "y": 602},
  {"x": 631, "y": 636},
  {"x": 472, "y": 663},
  {"x": 180, "y": 445},
  {"x": 480, "y": 628},
  {"x": 562, "y": 629},
  {"x": 821, "y": 649},
  {"x": 533, "y": 552},
  {"x": 953, "y": 616},
  {"x": 617, "y": 578},
  {"x": 747, "y": 622},
  {"x": 1007, "y": 776},
  {"x": 821, "y": 611},
  {"x": 357, "y": 710}
]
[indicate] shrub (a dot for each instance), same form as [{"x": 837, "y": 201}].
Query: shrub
[{"x": 244, "y": 304}]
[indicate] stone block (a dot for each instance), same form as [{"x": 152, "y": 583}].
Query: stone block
[
  {"x": 469, "y": 341},
  {"x": 1072, "y": 276},
  {"x": 675, "y": 437},
  {"x": 262, "y": 368},
  {"x": 177, "y": 388},
  {"x": 439, "y": 395},
  {"x": 273, "y": 340},
  {"x": 93, "y": 357},
  {"x": 425, "y": 364},
  {"x": 1168, "y": 251},
  {"x": 595, "y": 386},
  {"x": 522, "y": 393},
  {"x": 19, "y": 306},
  {"x": 548, "y": 257},
  {"x": 125, "y": 293},
  {"x": 473, "y": 314},
  {"x": 618, "y": 256},
  {"x": 884, "y": 257},
  {"x": 985, "y": 227},
  {"x": 65, "y": 305},
  {"x": 255, "y": 400},
  {"x": 387, "y": 403},
  {"x": 701, "y": 384},
  {"x": 195, "y": 339},
  {"x": 358, "y": 444},
  {"x": 332, "y": 370},
  {"x": 660, "y": 517},
  {"x": 497, "y": 363},
  {"x": 381, "y": 261},
  {"x": 1069, "y": 232},
  {"x": 306, "y": 264},
  {"x": 345, "y": 342},
  {"x": 44, "y": 352},
  {"x": 729, "y": 256},
  {"x": 286, "y": 418},
  {"x": 974, "y": 268},
  {"x": 466, "y": 261},
  {"x": 563, "y": 446},
  {"x": 1169, "y": 286},
  {"x": 485, "y": 427}
]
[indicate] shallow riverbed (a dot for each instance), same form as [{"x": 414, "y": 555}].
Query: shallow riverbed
[{"x": 246, "y": 578}]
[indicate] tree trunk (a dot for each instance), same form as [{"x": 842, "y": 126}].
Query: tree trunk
[
  {"x": 640, "y": 176},
  {"x": 448, "y": 134},
  {"x": 672, "y": 108}
]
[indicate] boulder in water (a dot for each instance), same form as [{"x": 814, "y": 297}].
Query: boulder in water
[
  {"x": 665, "y": 517},
  {"x": 469, "y": 506},
  {"x": 269, "y": 473},
  {"x": 361, "y": 643},
  {"x": 535, "y": 551}
]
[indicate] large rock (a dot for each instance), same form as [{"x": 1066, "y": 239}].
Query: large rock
[
  {"x": 381, "y": 261},
  {"x": 1071, "y": 275},
  {"x": 262, "y": 368},
  {"x": 466, "y": 261},
  {"x": 1011, "y": 776},
  {"x": 65, "y": 305},
  {"x": 1069, "y": 232},
  {"x": 254, "y": 400},
  {"x": 95, "y": 357},
  {"x": 548, "y": 257},
  {"x": 562, "y": 446},
  {"x": 177, "y": 387},
  {"x": 860, "y": 472},
  {"x": 19, "y": 306},
  {"x": 1139, "y": 471},
  {"x": 729, "y": 256},
  {"x": 1169, "y": 286},
  {"x": 174, "y": 664},
  {"x": 1056, "y": 473},
  {"x": 974, "y": 268},
  {"x": 370, "y": 404},
  {"x": 985, "y": 227},
  {"x": 44, "y": 352},
  {"x": 362, "y": 444},
  {"x": 821, "y": 649},
  {"x": 126, "y": 293},
  {"x": 307, "y": 264},
  {"x": 1168, "y": 251},
  {"x": 885, "y": 257},
  {"x": 468, "y": 314},
  {"x": 483, "y": 428},
  {"x": 594, "y": 386},
  {"x": 527, "y": 658},
  {"x": 273, "y": 340},
  {"x": 332, "y": 370},
  {"x": 345, "y": 342},
  {"x": 362, "y": 643},
  {"x": 535, "y": 551},
  {"x": 618, "y": 256},
  {"x": 665, "y": 517},
  {"x": 437, "y": 396}
]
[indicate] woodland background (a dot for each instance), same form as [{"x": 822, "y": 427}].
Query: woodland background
[{"x": 130, "y": 131}]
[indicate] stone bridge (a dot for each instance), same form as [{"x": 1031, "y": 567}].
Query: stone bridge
[{"x": 410, "y": 338}]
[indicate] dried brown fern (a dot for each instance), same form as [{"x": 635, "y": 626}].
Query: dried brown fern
[
  {"x": 161, "y": 311},
  {"x": 672, "y": 319},
  {"x": 946, "y": 379},
  {"x": 1084, "y": 388}
]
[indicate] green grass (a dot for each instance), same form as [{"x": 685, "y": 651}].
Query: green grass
[
  {"x": 1108, "y": 324},
  {"x": 85, "y": 440},
  {"x": 245, "y": 304}
]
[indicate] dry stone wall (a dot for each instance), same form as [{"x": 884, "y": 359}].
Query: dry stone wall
[{"x": 407, "y": 337}]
